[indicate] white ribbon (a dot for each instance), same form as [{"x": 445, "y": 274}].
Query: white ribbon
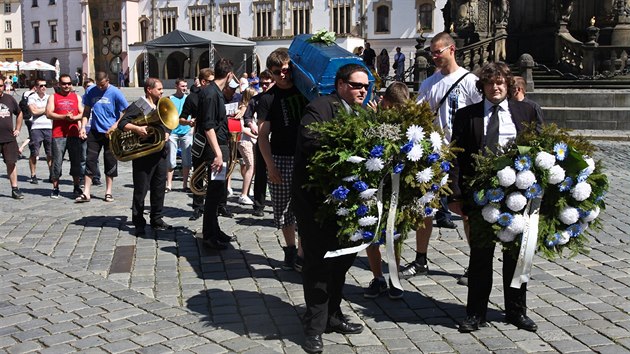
[
  {"x": 524, "y": 263},
  {"x": 389, "y": 233}
]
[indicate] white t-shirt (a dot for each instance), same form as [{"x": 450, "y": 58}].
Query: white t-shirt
[
  {"x": 435, "y": 87},
  {"x": 40, "y": 121}
]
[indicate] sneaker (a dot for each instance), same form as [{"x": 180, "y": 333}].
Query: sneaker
[
  {"x": 394, "y": 293},
  {"x": 34, "y": 180},
  {"x": 299, "y": 263},
  {"x": 230, "y": 192},
  {"x": 463, "y": 280},
  {"x": 377, "y": 287},
  {"x": 55, "y": 193},
  {"x": 290, "y": 253},
  {"x": 243, "y": 199},
  {"x": 17, "y": 194},
  {"x": 446, "y": 224},
  {"x": 413, "y": 269}
]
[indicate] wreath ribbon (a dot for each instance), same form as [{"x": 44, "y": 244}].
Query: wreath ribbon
[{"x": 523, "y": 270}]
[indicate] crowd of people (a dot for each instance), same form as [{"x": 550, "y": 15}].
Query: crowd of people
[{"x": 272, "y": 119}]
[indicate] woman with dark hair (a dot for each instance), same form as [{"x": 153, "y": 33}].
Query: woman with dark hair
[{"x": 382, "y": 64}]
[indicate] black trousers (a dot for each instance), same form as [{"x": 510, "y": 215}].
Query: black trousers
[
  {"x": 323, "y": 278},
  {"x": 480, "y": 283},
  {"x": 216, "y": 193},
  {"x": 260, "y": 179},
  {"x": 149, "y": 173}
]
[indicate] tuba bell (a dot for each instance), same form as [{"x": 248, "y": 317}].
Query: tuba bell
[
  {"x": 199, "y": 180},
  {"x": 127, "y": 146}
]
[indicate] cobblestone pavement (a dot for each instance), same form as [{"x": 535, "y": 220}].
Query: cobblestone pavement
[{"x": 60, "y": 294}]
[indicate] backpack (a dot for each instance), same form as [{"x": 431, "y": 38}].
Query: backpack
[{"x": 23, "y": 104}]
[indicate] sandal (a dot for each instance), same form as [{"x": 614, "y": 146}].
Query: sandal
[
  {"x": 109, "y": 198},
  {"x": 82, "y": 199}
]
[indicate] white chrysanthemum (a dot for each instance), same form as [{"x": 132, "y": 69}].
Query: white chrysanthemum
[
  {"x": 343, "y": 211},
  {"x": 356, "y": 236},
  {"x": 592, "y": 215},
  {"x": 368, "y": 193},
  {"x": 565, "y": 236},
  {"x": 355, "y": 159},
  {"x": 591, "y": 165},
  {"x": 415, "y": 154},
  {"x": 425, "y": 175},
  {"x": 507, "y": 176},
  {"x": 518, "y": 225},
  {"x": 374, "y": 164},
  {"x": 556, "y": 174},
  {"x": 490, "y": 213},
  {"x": 415, "y": 133},
  {"x": 426, "y": 198},
  {"x": 436, "y": 141},
  {"x": 350, "y": 178},
  {"x": 444, "y": 180},
  {"x": 368, "y": 220},
  {"x": 516, "y": 201},
  {"x": 545, "y": 160},
  {"x": 525, "y": 179},
  {"x": 569, "y": 215},
  {"x": 581, "y": 191},
  {"x": 506, "y": 236}
]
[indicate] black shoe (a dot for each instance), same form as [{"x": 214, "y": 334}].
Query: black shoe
[
  {"x": 223, "y": 237},
  {"x": 377, "y": 287},
  {"x": 140, "y": 231},
  {"x": 196, "y": 215},
  {"x": 393, "y": 292},
  {"x": 463, "y": 280},
  {"x": 160, "y": 225},
  {"x": 258, "y": 212},
  {"x": 472, "y": 323},
  {"x": 412, "y": 269},
  {"x": 34, "y": 180},
  {"x": 345, "y": 327},
  {"x": 55, "y": 193},
  {"x": 290, "y": 253},
  {"x": 313, "y": 344},
  {"x": 446, "y": 224},
  {"x": 97, "y": 182},
  {"x": 214, "y": 244},
  {"x": 223, "y": 211},
  {"x": 16, "y": 193},
  {"x": 523, "y": 322}
]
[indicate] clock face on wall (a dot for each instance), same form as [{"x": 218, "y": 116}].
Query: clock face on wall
[
  {"x": 105, "y": 41},
  {"x": 115, "y": 65},
  {"x": 105, "y": 50},
  {"x": 115, "y": 45}
]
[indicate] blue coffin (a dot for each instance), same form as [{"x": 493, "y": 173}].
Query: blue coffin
[{"x": 315, "y": 66}]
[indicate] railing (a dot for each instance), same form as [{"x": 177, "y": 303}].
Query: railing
[
  {"x": 589, "y": 60},
  {"x": 475, "y": 55}
]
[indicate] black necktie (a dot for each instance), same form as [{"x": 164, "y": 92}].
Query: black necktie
[{"x": 492, "y": 131}]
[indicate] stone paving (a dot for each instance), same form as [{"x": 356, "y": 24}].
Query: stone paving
[{"x": 58, "y": 294}]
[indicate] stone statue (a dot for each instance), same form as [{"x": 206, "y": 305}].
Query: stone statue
[
  {"x": 566, "y": 9},
  {"x": 467, "y": 14},
  {"x": 501, "y": 12}
]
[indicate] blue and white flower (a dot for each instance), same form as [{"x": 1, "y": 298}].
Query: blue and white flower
[
  {"x": 362, "y": 210},
  {"x": 415, "y": 133},
  {"x": 581, "y": 191},
  {"x": 368, "y": 193},
  {"x": 563, "y": 237},
  {"x": 525, "y": 179},
  {"x": 552, "y": 240},
  {"x": 534, "y": 191},
  {"x": 556, "y": 174},
  {"x": 566, "y": 184},
  {"x": 569, "y": 215},
  {"x": 574, "y": 230},
  {"x": 368, "y": 221},
  {"x": 377, "y": 151},
  {"x": 480, "y": 198},
  {"x": 360, "y": 186},
  {"x": 545, "y": 160},
  {"x": 436, "y": 141},
  {"x": 416, "y": 153},
  {"x": 517, "y": 226},
  {"x": 374, "y": 164},
  {"x": 561, "y": 151},
  {"x": 355, "y": 159},
  {"x": 357, "y": 236},
  {"x": 341, "y": 193},
  {"x": 516, "y": 201},
  {"x": 505, "y": 219},
  {"x": 425, "y": 175},
  {"x": 490, "y": 213},
  {"x": 343, "y": 211},
  {"x": 368, "y": 235},
  {"x": 407, "y": 147},
  {"x": 522, "y": 163},
  {"x": 398, "y": 168},
  {"x": 592, "y": 215},
  {"x": 506, "y": 176},
  {"x": 495, "y": 195}
]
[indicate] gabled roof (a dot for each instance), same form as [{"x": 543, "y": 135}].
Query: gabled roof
[{"x": 179, "y": 38}]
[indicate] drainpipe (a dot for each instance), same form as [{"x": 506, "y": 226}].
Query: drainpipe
[
  {"x": 282, "y": 18},
  {"x": 154, "y": 18}
]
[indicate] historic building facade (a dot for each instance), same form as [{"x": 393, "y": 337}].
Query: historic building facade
[{"x": 11, "y": 21}]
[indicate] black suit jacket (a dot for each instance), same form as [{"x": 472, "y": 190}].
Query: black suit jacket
[{"x": 468, "y": 132}]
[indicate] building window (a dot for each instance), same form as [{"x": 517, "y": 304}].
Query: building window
[
  {"x": 7, "y": 26},
  {"x": 144, "y": 29},
  {"x": 9, "y": 43},
  {"x": 425, "y": 17},
  {"x": 197, "y": 15},
  {"x": 341, "y": 16},
  {"x": 229, "y": 18},
  {"x": 169, "y": 20},
  {"x": 34, "y": 3},
  {"x": 77, "y": 35},
  {"x": 263, "y": 12},
  {"x": 382, "y": 19},
  {"x": 301, "y": 13},
  {"x": 35, "y": 32},
  {"x": 52, "y": 2},
  {"x": 7, "y": 7},
  {"x": 53, "y": 31}
]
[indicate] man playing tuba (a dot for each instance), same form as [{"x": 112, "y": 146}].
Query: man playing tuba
[{"x": 149, "y": 170}]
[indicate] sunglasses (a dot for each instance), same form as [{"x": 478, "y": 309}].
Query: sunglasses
[
  {"x": 281, "y": 71},
  {"x": 65, "y": 83},
  {"x": 438, "y": 52},
  {"x": 357, "y": 85},
  {"x": 41, "y": 85}
]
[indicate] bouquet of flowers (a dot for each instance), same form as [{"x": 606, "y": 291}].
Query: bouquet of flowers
[
  {"x": 361, "y": 151},
  {"x": 323, "y": 36},
  {"x": 549, "y": 167}
]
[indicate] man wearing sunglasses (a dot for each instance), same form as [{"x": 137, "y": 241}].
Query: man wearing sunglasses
[
  {"x": 41, "y": 130},
  {"x": 323, "y": 278},
  {"x": 450, "y": 88},
  {"x": 66, "y": 111}
]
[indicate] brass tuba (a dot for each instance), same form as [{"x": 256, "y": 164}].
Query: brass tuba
[
  {"x": 128, "y": 146},
  {"x": 199, "y": 180}
]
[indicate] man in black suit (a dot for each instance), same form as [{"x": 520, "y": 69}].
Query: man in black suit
[
  {"x": 323, "y": 278},
  {"x": 490, "y": 123}
]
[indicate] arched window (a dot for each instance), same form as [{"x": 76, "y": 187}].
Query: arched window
[
  {"x": 144, "y": 29},
  {"x": 382, "y": 19}
]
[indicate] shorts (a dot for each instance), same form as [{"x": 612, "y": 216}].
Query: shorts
[
  {"x": 184, "y": 142},
  {"x": 39, "y": 136},
  {"x": 246, "y": 148},
  {"x": 10, "y": 151},
  {"x": 281, "y": 193}
]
